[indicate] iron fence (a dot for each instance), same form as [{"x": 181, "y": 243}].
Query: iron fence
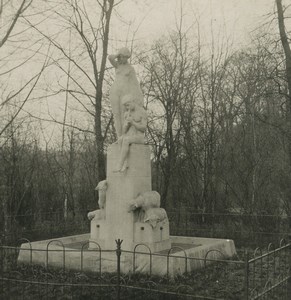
[
  {"x": 263, "y": 274},
  {"x": 269, "y": 272}
]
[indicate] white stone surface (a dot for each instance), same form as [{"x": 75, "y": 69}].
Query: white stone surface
[
  {"x": 98, "y": 233},
  {"x": 125, "y": 83},
  {"x": 169, "y": 261},
  {"x": 157, "y": 239},
  {"x": 139, "y": 161},
  {"x": 122, "y": 187}
]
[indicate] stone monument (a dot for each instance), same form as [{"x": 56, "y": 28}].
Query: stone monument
[
  {"x": 128, "y": 208},
  {"x": 132, "y": 211}
]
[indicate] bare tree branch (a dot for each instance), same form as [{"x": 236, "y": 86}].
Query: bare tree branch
[
  {"x": 23, "y": 103},
  {"x": 24, "y": 5}
]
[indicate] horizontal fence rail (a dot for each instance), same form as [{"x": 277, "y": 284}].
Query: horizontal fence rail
[
  {"x": 269, "y": 272},
  {"x": 263, "y": 274}
]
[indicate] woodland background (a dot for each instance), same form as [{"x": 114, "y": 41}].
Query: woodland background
[{"x": 219, "y": 117}]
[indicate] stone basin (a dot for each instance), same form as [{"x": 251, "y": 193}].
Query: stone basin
[{"x": 185, "y": 255}]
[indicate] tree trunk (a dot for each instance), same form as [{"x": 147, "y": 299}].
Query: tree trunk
[
  {"x": 287, "y": 52},
  {"x": 99, "y": 93},
  {"x": 5, "y": 212}
]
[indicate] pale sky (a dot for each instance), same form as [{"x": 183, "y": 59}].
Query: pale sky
[
  {"x": 148, "y": 20},
  {"x": 155, "y": 17}
]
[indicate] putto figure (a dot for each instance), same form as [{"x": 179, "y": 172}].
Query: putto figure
[
  {"x": 133, "y": 131},
  {"x": 125, "y": 83}
]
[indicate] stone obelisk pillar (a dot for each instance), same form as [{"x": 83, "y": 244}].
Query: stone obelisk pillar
[{"x": 123, "y": 187}]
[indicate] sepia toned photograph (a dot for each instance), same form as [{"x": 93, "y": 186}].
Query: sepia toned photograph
[{"x": 145, "y": 149}]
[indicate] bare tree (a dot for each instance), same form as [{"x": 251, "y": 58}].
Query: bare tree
[
  {"x": 287, "y": 51},
  {"x": 9, "y": 26},
  {"x": 285, "y": 41},
  {"x": 15, "y": 91},
  {"x": 170, "y": 84},
  {"x": 87, "y": 57}
]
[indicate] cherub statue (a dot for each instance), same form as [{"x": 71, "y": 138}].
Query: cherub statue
[
  {"x": 125, "y": 83},
  {"x": 134, "y": 126}
]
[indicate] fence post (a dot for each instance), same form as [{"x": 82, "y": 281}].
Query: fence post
[
  {"x": 289, "y": 273},
  {"x": 247, "y": 267},
  {"x": 1, "y": 270},
  {"x": 212, "y": 223},
  {"x": 118, "y": 254},
  {"x": 4, "y": 214},
  {"x": 1, "y": 260}
]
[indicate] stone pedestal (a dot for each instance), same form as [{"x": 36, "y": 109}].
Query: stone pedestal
[
  {"x": 157, "y": 239},
  {"x": 98, "y": 233},
  {"x": 122, "y": 187}
]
